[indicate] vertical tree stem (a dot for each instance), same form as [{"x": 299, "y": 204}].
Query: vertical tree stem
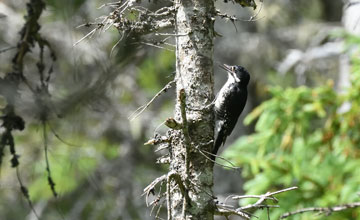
[{"x": 194, "y": 78}]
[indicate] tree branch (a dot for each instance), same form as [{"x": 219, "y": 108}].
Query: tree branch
[
  {"x": 323, "y": 210},
  {"x": 227, "y": 210},
  {"x": 147, "y": 22}
]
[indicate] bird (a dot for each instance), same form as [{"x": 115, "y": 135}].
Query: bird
[{"x": 229, "y": 103}]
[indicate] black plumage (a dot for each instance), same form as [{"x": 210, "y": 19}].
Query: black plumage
[{"x": 230, "y": 102}]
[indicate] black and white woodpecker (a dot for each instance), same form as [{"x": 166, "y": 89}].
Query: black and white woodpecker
[{"x": 230, "y": 102}]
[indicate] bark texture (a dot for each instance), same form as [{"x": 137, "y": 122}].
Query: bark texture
[{"x": 194, "y": 78}]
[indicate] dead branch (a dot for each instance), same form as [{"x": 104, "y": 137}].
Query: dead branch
[
  {"x": 151, "y": 187},
  {"x": 203, "y": 152},
  {"x": 48, "y": 170},
  {"x": 156, "y": 45},
  {"x": 168, "y": 199},
  {"x": 264, "y": 197},
  {"x": 226, "y": 210},
  {"x": 171, "y": 176},
  {"x": 25, "y": 193},
  {"x": 158, "y": 139},
  {"x": 323, "y": 210},
  {"x": 141, "y": 109},
  {"x": 2, "y": 50},
  {"x": 234, "y": 18},
  {"x": 147, "y": 22},
  {"x": 253, "y": 196}
]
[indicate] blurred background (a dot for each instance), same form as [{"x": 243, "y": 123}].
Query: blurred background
[{"x": 300, "y": 126}]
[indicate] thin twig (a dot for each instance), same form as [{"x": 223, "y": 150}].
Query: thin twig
[
  {"x": 87, "y": 35},
  {"x": 158, "y": 211},
  {"x": 325, "y": 210},
  {"x": 157, "y": 127},
  {"x": 253, "y": 196},
  {"x": 115, "y": 45},
  {"x": 141, "y": 109},
  {"x": 225, "y": 211},
  {"x": 168, "y": 198},
  {"x": 233, "y": 18},
  {"x": 109, "y": 4},
  {"x": 157, "y": 46},
  {"x": 265, "y": 197},
  {"x": 224, "y": 159},
  {"x": 169, "y": 34},
  {"x": 60, "y": 138},
  {"x": 201, "y": 190},
  {"x": 257, "y": 13},
  {"x": 87, "y": 24},
  {"x": 25, "y": 193},
  {"x": 152, "y": 185},
  {"x": 211, "y": 154},
  {"x": 283, "y": 190},
  {"x": 48, "y": 170},
  {"x": 219, "y": 164},
  {"x": 7, "y": 48}
]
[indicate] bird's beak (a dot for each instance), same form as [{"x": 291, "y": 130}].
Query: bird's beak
[
  {"x": 227, "y": 68},
  {"x": 231, "y": 71}
]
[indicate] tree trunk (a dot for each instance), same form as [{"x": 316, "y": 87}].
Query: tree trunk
[{"x": 194, "y": 76}]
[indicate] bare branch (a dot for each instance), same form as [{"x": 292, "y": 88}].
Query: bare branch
[
  {"x": 7, "y": 49},
  {"x": 59, "y": 137},
  {"x": 169, "y": 34},
  {"x": 141, "y": 109},
  {"x": 203, "y": 152},
  {"x": 323, "y": 210},
  {"x": 48, "y": 170},
  {"x": 25, "y": 193},
  {"x": 168, "y": 199},
  {"x": 91, "y": 33},
  {"x": 147, "y": 22},
  {"x": 158, "y": 139},
  {"x": 253, "y": 196},
  {"x": 227, "y": 210},
  {"x": 156, "y": 46},
  {"x": 150, "y": 188},
  {"x": 264, "y": 197},
  {"x": 233, "y": 18}
]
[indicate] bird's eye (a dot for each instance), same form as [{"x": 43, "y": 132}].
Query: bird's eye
[{"x": 233, "y": 68}]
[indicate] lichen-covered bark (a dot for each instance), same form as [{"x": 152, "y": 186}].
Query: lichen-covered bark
[{"x": 194, "y": 74}]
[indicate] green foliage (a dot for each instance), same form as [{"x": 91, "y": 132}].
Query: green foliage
[
  {"x": 69, "y": 7},
  {"x": 70, "y": 165},
  {"x": 156, "y": 69},
  {"x": 303, "y": 138}
]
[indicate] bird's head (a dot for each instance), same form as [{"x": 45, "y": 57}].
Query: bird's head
[{"x": 237, "y": 73}]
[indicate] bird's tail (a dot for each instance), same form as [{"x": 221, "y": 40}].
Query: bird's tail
[{"x": 220, "y": 140}]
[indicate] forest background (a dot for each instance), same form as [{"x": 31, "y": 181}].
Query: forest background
[{"x": 300, "y": 126}]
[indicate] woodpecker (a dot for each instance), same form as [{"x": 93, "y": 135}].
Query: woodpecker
[{"x": 230, "y": 102}]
